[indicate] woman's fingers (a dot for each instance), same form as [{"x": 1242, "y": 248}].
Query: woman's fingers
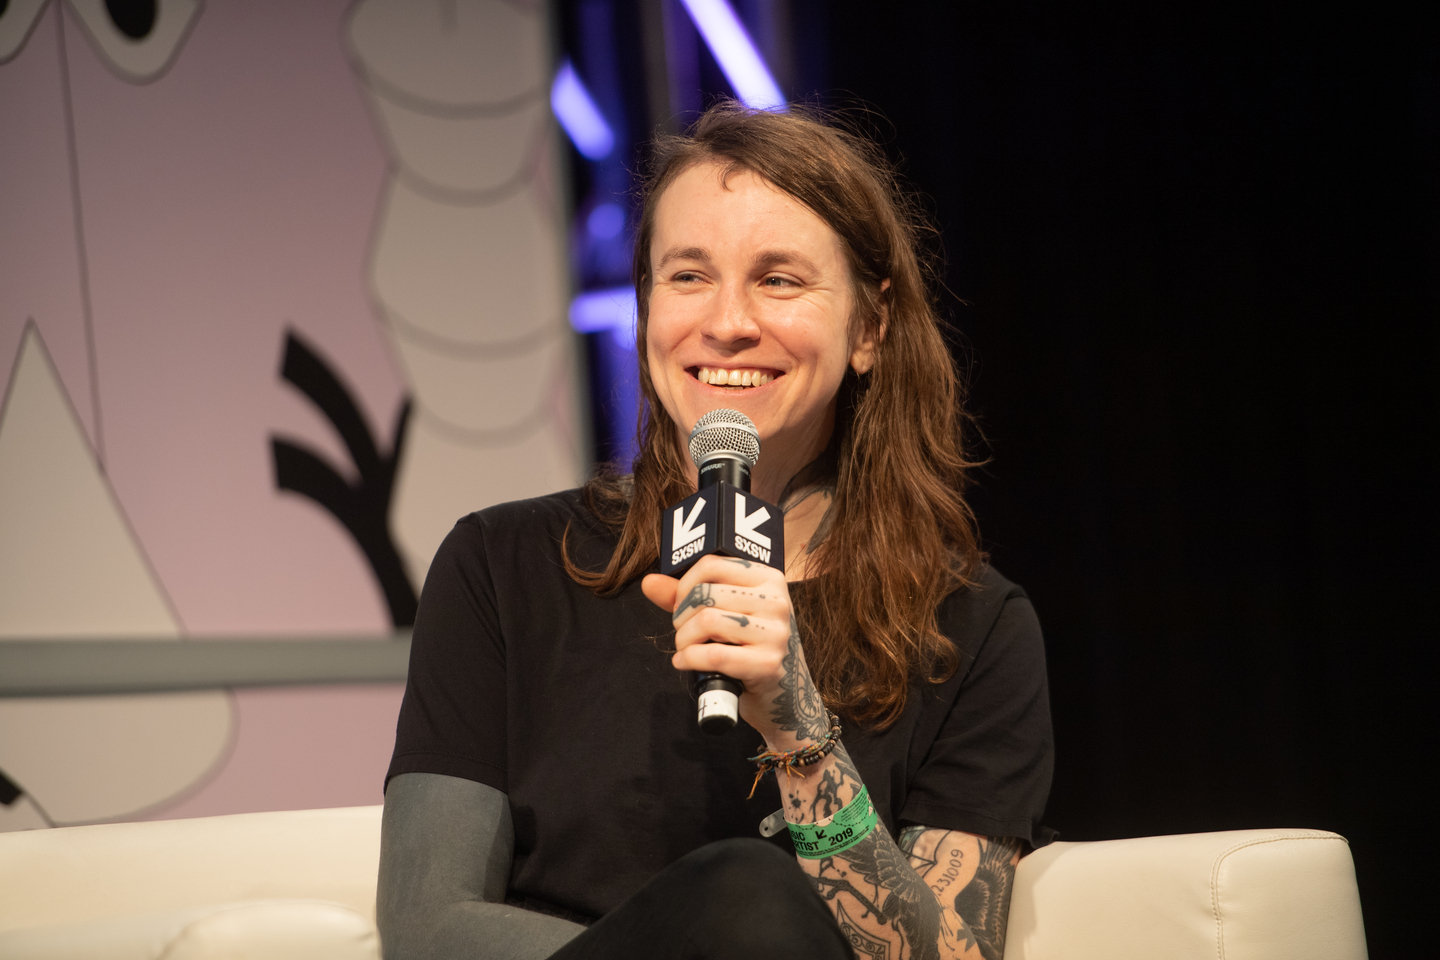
[
  {"x": 746, "y": 601},
  {"x": 663, "y": 591},
  {"x": 732, "y": 644},
  {"x": 660, "y": 590},
  {"x": 738, "y": 586},
  {"x": 722, "y": 625},
  {"x": 731, "y": 616}
]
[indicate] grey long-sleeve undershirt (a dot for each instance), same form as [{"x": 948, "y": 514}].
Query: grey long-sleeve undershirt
[{"x": 446, "y": 846}]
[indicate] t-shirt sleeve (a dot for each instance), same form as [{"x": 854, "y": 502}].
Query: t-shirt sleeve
[
  {"x": 989, "y": 768},
  {"x": 452, "y": 719}
]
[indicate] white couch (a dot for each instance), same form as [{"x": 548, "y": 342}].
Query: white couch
[{"x": 301, "y": 884}]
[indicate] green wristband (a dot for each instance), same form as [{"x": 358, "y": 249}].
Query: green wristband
[{"x": 848, "y": 827}]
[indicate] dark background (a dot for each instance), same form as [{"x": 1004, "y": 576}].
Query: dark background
[
  {"x": 1199, "y": 256},
  {"x": 1191, "y": 260}
]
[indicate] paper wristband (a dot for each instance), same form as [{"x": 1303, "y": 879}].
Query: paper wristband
[{"x": 848, "y": 827}]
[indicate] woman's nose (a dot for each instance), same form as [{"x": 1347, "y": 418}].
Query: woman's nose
[{"x": 731, "y": 324}]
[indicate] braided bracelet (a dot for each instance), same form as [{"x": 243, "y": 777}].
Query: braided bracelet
[{"x": 788, "y": 760}]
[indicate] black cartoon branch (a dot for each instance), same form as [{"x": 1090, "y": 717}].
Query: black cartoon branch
[
  {"x": 363, "y": 507},
  {"x": 10, "y": 791}
]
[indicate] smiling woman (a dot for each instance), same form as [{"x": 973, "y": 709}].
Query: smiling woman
[
  {"x": 767, "y": 297},
  {"x": 546, "y": 755},
  {"x": 774, "y": 243}
]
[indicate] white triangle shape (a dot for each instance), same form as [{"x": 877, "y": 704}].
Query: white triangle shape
[
  {"x": 69, "y": 563},
  {"x": 70, "y": 566}
]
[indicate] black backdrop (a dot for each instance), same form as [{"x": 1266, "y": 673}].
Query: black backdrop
[
  {"x": 1192, "y": 277},
  {"x": 1198, "y": 254}
]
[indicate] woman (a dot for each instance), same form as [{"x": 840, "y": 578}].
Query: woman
[{"x": 548, "y": 770}]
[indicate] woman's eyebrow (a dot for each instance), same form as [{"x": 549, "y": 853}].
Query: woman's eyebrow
[
  {"x": 784, "y": 258},
  {"x": 683, "y": 253}
]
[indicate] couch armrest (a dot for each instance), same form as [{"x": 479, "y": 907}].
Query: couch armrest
[
  {"x": 257, "y": 930},
  {"x": 78, "y": 874},
  {"x": 1235, "y": 895}
]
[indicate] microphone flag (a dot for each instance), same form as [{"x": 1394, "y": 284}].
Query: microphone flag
[{"x": 725, "y": 520}]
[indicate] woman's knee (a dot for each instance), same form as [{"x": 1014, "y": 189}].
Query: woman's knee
[
  {"x": 738, "y": 867},
  {"x": 753, "y": 896}
]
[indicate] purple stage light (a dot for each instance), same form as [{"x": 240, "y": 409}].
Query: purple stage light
[
  {"x": 579, "y": 116},
  {"x": 612, "y": 309},
  {"x": 733, "y": 49},
  {"x": 606, "y": 221}
]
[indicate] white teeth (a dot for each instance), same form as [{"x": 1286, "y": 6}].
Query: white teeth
[{"x": 733, "y": 378}]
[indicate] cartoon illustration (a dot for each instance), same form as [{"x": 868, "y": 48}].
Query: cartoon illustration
[
  {"x": 254, "y": 256},
  {"x": 70, "y": 566},
  {"x": 469, "y": 258}
]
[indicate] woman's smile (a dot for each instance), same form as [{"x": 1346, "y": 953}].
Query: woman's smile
[
  {"x": 744, "y": 378},
  {"x": 750, "y": 307}
]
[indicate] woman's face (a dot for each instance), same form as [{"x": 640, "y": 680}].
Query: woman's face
[{"x": 750, "y": 310}]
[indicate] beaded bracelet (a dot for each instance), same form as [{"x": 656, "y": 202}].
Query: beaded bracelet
[{"x": 788, "y": 760}]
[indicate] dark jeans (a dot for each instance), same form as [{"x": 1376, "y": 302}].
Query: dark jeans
[{"x": 730, "y": 900}]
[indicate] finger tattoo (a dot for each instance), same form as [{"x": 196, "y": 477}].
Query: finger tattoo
[{"x": 699, "y": 596}]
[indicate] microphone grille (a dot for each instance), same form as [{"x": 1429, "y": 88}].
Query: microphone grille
[{"x": 724, "y": 431}]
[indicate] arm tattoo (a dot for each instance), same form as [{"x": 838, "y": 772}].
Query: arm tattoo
[
  {"x": 905, "y": 902},
  {"x": 828, "y": 793},
  {"x": 861, "y": 942},
  {"x": 699, "y": 596},
  {"x": 984, "y": 903},
  {"x": 905, "y": 899},
  {"x": 798, "y": 706},
  {"x": 907, "y": 838}
]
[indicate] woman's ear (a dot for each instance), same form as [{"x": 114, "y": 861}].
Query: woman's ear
[{"x": 862, "y": 358}]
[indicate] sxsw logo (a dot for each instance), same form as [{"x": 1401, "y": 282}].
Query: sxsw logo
[
  {"x": 688, "y": 537},
  {"x": 724, "y": 520},
  {"x": 748, "y": 538}
]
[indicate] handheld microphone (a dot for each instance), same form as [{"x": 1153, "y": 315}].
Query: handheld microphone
[{"x": 722, "y": 518}]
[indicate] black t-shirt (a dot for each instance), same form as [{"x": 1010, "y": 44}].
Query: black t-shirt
[{"x": 524, "y": 680}]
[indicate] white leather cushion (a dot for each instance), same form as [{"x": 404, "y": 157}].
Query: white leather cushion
[
  {"x": 258, "y": 930},
  {"x": 1235, "y": 895},
  {"x": 112, "y": 870}
]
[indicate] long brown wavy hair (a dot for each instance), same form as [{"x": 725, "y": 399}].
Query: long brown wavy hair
[{"x": 901, "y": 536}]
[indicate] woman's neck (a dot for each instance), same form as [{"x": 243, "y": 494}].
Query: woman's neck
[{"x": 807, "y": 521}]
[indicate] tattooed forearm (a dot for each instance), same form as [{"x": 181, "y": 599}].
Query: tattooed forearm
[
  {"x": 861, "y": 940},
  {"x": 903, "y": 900},
  {"x": 907, "y": 838},
  {"x": 934, "y": 893},
  {"x": 699, "y": 596},
  {"x": 827, "y": 793},
  {"x": 984, "y": 902},
  {"x": 798, "y": 706}
]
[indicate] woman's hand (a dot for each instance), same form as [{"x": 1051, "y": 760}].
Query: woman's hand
[{"x": 734, "y": 617}]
